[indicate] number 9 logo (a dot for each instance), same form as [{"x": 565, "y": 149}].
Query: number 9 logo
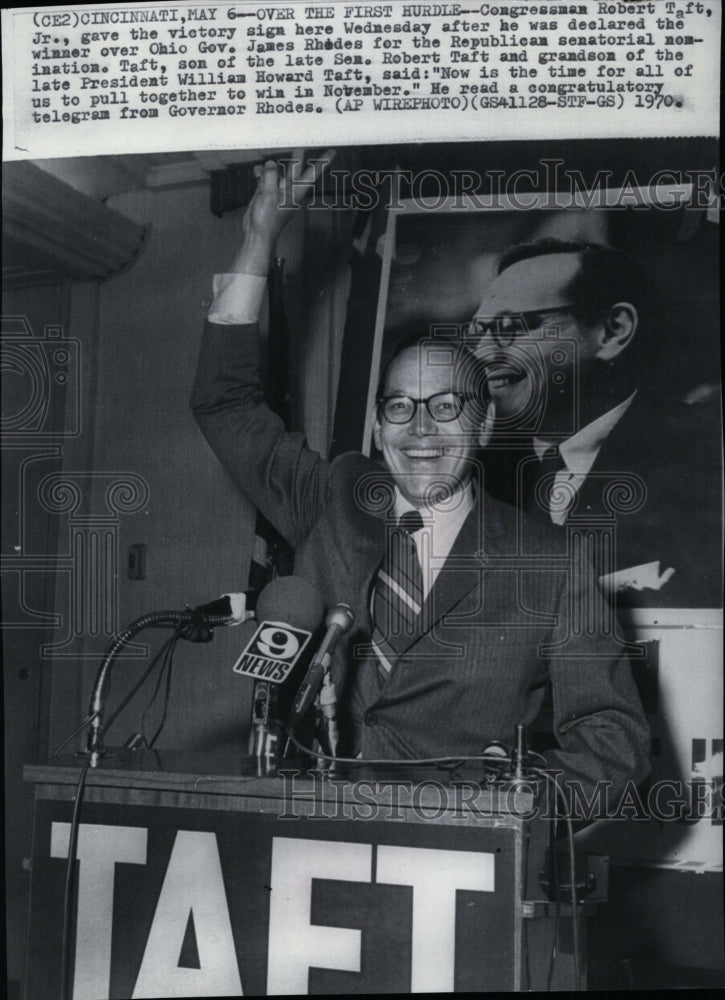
[{"x": 277, "y": 643}]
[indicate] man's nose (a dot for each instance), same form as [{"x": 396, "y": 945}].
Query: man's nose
[
  {"x": 486, "y": 343},
  {"x": 422, "y": 423}
]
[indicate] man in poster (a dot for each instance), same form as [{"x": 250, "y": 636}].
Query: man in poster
[{"x": 572, "y": 331}]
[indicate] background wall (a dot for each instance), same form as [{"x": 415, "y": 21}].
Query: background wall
[{"x": 30, "y": 533}]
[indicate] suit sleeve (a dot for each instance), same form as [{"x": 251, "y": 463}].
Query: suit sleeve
[
  {"x": 599, "y": 722},
  {"x": 275, "y": 470}
]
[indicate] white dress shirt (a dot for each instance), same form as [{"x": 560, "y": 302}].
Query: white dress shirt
[
  {"x": 579, "y": 453},
  {"x": 441, "y": 524},
  {"x": 237, "y": 298}
]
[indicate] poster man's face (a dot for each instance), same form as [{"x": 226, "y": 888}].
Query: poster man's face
[
  {"x": 532, "y": 346},
  {"x": 429, "y": 458}
]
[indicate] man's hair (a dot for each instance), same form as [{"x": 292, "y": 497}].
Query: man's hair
[{"x": 606, "y": 275}]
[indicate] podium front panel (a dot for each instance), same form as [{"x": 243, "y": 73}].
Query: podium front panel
[{"x": 183, "y": 893}]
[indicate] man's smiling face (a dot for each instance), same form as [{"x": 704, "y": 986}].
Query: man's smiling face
[
  {"x": 428, "y": 459},
  {"x": 535, "y": 371}
]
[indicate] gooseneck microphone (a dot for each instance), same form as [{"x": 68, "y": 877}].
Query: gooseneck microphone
[{"x": 339, "y": 621}]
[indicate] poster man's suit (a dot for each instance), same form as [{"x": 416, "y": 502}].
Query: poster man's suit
[
  {"x": 480, "y": 664},
  {"x": 657, "y": 479}
]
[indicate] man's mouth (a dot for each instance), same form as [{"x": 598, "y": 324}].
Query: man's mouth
[
  {"x": 501, "y": 376},
  {"x": 424, "y": 453}
]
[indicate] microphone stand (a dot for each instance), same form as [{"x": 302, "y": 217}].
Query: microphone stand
[
  {"x": 266, "y": 735},
  {"x": 197, "y": 629}
]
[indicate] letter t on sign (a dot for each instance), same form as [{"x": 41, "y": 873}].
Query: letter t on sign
[
  {"x": 435, "y": 876},
  {"x": 100, "y": 848},
  {"x": 294, "y": 944}
]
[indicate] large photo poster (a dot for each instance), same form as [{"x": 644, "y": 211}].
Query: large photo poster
[{"x": 475, "y": 251}]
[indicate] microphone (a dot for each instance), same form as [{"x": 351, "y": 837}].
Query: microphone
[
  {"x": 291, "y": 599},
  {"x": 339, "y": 621},
  {"x": 289, "y": 610}
]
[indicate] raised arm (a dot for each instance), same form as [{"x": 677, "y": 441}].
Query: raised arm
[{"x": 274, "y": 469}]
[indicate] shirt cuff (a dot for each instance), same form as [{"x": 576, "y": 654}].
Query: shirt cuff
[{"x": 237, "y": 298}]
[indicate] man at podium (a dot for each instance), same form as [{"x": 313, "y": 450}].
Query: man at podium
[{"x": 466, "y": 612}]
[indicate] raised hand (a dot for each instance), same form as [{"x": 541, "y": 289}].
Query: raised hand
[{"x": 279, "y": 194}]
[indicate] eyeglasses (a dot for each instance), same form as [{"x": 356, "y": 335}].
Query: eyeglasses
[
  {"x": 506, "y": 328},
  {"x": 443, "y": 407}
]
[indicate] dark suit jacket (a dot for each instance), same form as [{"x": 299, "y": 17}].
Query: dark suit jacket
[
  {"x": 657, "y": 481},
  {"x": 503, "y": 620}
]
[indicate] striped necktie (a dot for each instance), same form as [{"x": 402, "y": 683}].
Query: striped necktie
[{"x": 398, "y": 593}]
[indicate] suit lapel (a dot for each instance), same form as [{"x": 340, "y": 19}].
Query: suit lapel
[
  {"x": 478, "y": 539},
  {"x": 479, "y": 536},
  {"x": 366, "y": 525},
  {"x": 616, "y": 457}
]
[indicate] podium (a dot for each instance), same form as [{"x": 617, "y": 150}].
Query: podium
[{"x": 197, "y": 876}]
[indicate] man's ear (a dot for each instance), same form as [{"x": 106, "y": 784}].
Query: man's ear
[
  {"x": 376, "y": 434},
  {"x": 618, "y": 329},
  {"x": 486, "y": 427}
]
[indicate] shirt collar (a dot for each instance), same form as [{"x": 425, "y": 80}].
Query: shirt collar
[
  {"x": 442, "y": 514},
  {"x": 579, "y": 451}
]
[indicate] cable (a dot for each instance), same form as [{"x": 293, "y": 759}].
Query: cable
[
  {"x": 69, "y": 737},
  {"x": 188, "y": 623},
  {"x": 66, "y": 976},
  {"x": 114, "y": 715},
  {"x": 168, "y": 666},
  {"x": 191, "y": 624},
  {"x": 557, "y": 911},
  {"x": 155, "y": 625},
  {"x": 400, "y": 761},
  {"x": 572, "y": 872},
  {"x": 574, "y": 914},
  {"x": 166, "y": 649}
]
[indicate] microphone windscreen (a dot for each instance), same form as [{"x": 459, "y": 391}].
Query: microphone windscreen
[{"x": 293, "y": 600}]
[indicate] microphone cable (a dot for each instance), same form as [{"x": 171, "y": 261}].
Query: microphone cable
[
  {"x": 442, "y": 762},
  {"x": 112, "y": 717},
  {"x": 191, "y": 624},
  {"x": 557, "y": 913},
  {"x": 162, "y": 652},
  {"x": 572, "y": 888},
  {"x": 66, "y": 972},
  {"x": 167, "y": 666}
]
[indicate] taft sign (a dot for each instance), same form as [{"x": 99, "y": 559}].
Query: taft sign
[{"x": 179, "y": 903}]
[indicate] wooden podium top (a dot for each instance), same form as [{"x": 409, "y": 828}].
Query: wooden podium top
[{"x": 232, "y": 779}]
